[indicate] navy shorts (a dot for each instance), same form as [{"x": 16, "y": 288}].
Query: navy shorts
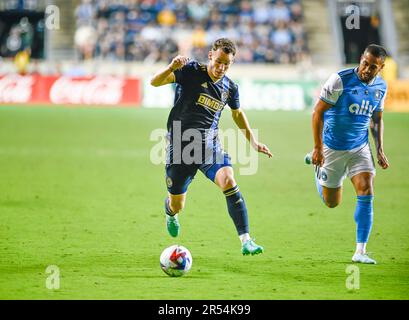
[{"x": 179, "y": 176}]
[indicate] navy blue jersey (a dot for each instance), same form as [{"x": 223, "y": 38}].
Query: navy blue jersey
[{"x": 199, "y": 101}]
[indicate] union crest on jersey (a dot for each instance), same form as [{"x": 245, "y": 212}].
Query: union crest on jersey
[
  {"x": 377, "y": 94},
  {"x": 169, "y": 182},
  {"x": 225, "y": 95}
]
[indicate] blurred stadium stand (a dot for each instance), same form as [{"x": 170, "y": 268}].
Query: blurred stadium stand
[
  {"x": 400, "y": 10},
  {"x": 155, "y": 30},
  {"x": 278, "y": 40},
  {"x": 150, "y": 31}
]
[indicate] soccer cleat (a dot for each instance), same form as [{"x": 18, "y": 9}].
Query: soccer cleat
[
  {"x": 172, "y": 224},
  {"x": 308, "y": 158},
  {"x": 362, "y": 258},
  {"x": 250, "y": 247}
]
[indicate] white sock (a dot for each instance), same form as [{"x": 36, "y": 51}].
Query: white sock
[
  {"x": 360, "y": 247},
  {"x": 173, "y": 217},
  {"x": 244, "y": 237}
]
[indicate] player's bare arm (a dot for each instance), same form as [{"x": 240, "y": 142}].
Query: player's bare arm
[
  {"x": 166, "y": 75},
  {"x": 317, "y": 126},
  {"x": 377, "y": 133},
  {"x": 242, "y": 122}
]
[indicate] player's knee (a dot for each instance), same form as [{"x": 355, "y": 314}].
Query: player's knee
[
  {"x": 227, "y": 182},
  {"x": 365, "y": 190},
  {"x": 364, "y": 187},
  {"x": 332, "y": 205},
  {"x": 225, "y": 178}
]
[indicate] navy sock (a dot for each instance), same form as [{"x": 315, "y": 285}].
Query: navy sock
[
  {"x": 237, "y": 209},
  {"x": 363, "y": 218}
]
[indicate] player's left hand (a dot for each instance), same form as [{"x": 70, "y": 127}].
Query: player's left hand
[
  {"x": 382, "y": 159},
  {"x": 261, "y": 147}
]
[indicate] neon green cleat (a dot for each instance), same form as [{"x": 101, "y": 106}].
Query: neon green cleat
[
  {"x": 250, "y": 247},
  {"x": 172, "y": 224}
]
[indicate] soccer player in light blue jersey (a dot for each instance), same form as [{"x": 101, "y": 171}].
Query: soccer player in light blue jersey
[{"x": 351, "y": 102}]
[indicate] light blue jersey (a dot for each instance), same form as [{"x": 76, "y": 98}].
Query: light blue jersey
[{"x": 346, "y": 123}]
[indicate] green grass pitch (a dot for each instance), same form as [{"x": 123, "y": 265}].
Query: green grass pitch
[{"x": 78, "y": 191}]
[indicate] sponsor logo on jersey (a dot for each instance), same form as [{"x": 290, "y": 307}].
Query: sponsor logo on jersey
[
  {"x": 204, "y": 85},
  {"x": 364, "y": 109},
  {"x": 209, "y": 102}
]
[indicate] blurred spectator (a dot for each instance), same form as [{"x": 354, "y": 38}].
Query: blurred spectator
[
  {"x": 279, "y": 12},
  {"x": 155, "y": 30},
  {"x": 22, "y": 28},
  {"x": 245, "y": 12},
  {"x": 85, "y": 13},
  {"x": 198, "y": 10},
  {"x": 85, "y": 40},
  {"x": 261, "y": 11},
  {"x": 390, "y": 71},
  {"x": 281, "y": 37},
  {"x": 21, "y": 60},
  {"x": 19, "y": 5},
  {"x": 14, "y": 42},
  {"x": 166, "y": 17},
  {"x": 20, "y": 37}
]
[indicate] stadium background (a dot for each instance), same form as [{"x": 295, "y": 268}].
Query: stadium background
[{"x": 79, "y": 191}]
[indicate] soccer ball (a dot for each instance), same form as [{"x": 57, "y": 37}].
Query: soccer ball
[{"x": 176, "y": 260}]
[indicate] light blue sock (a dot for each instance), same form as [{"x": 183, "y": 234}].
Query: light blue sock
[{"x": 363, "y": 218}]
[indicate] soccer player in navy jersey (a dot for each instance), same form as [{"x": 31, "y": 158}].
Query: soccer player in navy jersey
[
  {"x": 201, "y": 93},
  {"x": 351, "y": 102}
]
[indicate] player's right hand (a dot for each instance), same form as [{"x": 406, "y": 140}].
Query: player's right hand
[
  {"x": 318, "y": 157},
  {"x": 382, "y": 159},
  {"x": 178, "y": 62},
  {"x": 261, "y": 147}
]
